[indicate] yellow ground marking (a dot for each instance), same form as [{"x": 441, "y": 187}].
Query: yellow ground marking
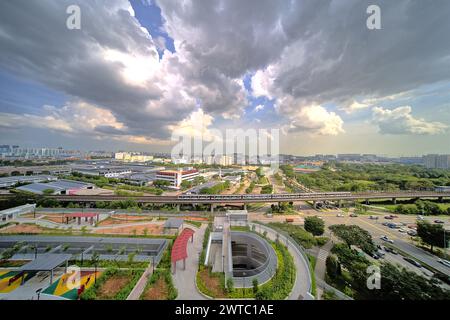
[
  {"x": 4, "y": 288},
  {"x": 62, "y": 287}
]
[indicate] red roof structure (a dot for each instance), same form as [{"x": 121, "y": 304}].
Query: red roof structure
[{"x": 179, "y": 249}]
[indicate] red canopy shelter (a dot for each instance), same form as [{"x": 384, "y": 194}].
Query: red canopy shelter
[
  {"x": 179, "y": 248},
  {"x": 80, "y": 215}
]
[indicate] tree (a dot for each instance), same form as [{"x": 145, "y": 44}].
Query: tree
[
  {"x": 315, "y": 225},
  {"x": 161, "y": 183},
  {"x": 333, "y": 267},
  {"x": 255, "y": 285},
  {"x": 354, "y": 235},
  {"x": 432, "y": 234},
  {"x": 48, "y": 191},
  {"x": 230, "y": 285}
]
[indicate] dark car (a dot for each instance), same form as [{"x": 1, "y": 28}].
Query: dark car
[
  {"x": 388, "y": 249},
  {"x": 393, "y": 216},
  {"x": 388, "y": 217},
  {"x": 438, "y": 221},
  {"x": 413, "y": 262},
  {"x": 353, "y": 215}
]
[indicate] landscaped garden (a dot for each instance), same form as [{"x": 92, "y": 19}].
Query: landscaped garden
[
  {"x": 113, "y": 284},
  {"x": 160, "y": 285},
  {"x": 213, "y": 284}
]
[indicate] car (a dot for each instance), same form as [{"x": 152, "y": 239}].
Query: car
[
  {"x": 385, "y": 224},
  {"x": 438, "y": 221},
  {"x": 419, "y": 217},
  {"x": 393, "y": 216},
  {"x": 412, "y": 226},
  {"x": 413, "y": 262},
  {"x": 388, "y": 217},
  {"x": 380, "y": 254},
  {"x": 379, "y": 247},
  {"x": 402, "y": 230},
  {"x": 373, "y": 218},
  {"x": 353, "y": 215},
  {"x": 390, "y": 250},
  {"x": 412, "y": 233},
  {"x": 385, "y": 238},
  {"x": 375, "y": 256},
  {"x": 340, "y": 215},
  {"x": 444, "y": 262}
]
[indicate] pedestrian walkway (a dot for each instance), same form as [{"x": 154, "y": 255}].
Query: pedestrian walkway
[
  {"x": 138, "y": 289},
  {"x": 184, "y": 280}
]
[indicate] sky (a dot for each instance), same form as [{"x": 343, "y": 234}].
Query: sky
[{"x": 139, "y": 71}]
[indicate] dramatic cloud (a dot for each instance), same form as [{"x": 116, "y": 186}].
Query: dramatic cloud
[
  {"x": 317, "y": 119},
  {"x": 400, "y": 121},
  {"x": 305, "y": 55}
]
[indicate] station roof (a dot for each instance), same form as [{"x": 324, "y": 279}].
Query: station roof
[
  {"x": 46, "y": 262},
  {"x": 179, "y": 249}
]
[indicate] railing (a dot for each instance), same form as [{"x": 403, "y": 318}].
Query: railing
[
  {"x": 327, "y": 287},
  {"x": 302, "y": 253}
]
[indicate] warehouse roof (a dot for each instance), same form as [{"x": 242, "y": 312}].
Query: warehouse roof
[{"x": 59, "y": 185}]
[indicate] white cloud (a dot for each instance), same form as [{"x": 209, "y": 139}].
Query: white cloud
[
  {"x": 259, "y": 107},
  {"x": 401, "y": 121},
  {"x": 316, "y": 119}
]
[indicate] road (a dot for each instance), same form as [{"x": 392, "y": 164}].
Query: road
[{"x": 401, "y": 241}]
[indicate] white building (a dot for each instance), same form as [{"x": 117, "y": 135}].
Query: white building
[{"x": 175, "y": 177}]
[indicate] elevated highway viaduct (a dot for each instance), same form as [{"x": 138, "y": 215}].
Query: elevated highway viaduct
[{"x": 253, "y": 198}]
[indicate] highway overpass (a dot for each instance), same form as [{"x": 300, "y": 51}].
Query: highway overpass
[{"x": 253, "y": 198}]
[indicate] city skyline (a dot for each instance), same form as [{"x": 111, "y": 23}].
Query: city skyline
[{"x": 315, "y": 72}]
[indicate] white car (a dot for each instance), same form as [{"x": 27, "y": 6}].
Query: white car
[
  {"x": 402, "y": 230},
  {"x": 444, "y": 262},
  {"x": 385, "y": 238},
  {"x": 340, "y": 215},
  {"x": 420, "y": 217}
]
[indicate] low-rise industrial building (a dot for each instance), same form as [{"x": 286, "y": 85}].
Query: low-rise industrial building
[
  {"x": 7, "y": 182},
  {"x": 58, "y": 187}
]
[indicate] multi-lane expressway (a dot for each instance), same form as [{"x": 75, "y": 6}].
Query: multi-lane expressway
[{"x": 253, "y": 198}]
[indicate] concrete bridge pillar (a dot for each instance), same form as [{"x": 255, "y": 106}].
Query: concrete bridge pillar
[
  {"x": 212, "y": 207},
  {"x": 394, "y": 200},
  {"x": 367, "y": 201},
  {"x": 178, "y": 207},
  {"x": 314, "y": 204},
  {"x": 441, "y": 199}
]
